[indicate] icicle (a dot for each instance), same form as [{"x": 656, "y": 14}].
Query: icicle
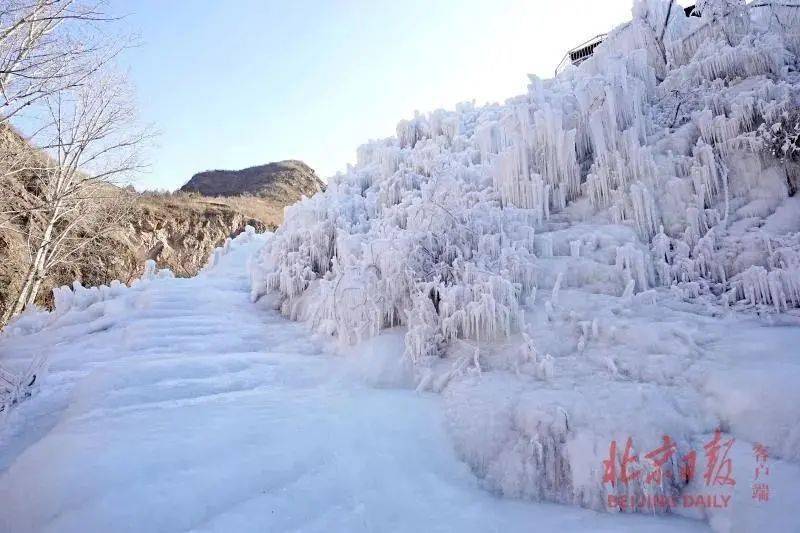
[
  {"x": 150, "y": 267},
  {"x": 575, "y": 248},
  {"x": 627, "y": 294},
  {"x": 631, "y": 262},
  {"x": 549, "y": 311},
  {"x": 644, "y": 210},
  {"x": 556, "y": 288},
  {"x": 546, "y": 248},
  {"x": 545, "y": 368}
]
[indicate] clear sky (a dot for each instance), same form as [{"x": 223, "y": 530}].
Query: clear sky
[{"x": 231, "y": 84}]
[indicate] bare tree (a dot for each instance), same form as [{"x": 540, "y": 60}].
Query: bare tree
[
  {"x": 47, "y": 46},
  {"x": 55, "y": 194},
  {"x": 87, "y": 144}
]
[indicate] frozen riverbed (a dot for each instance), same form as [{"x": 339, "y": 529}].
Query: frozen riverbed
[{"x": 179, "y": 406}]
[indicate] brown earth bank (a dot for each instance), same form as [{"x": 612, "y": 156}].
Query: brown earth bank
[{"x": 178, "y": 230}]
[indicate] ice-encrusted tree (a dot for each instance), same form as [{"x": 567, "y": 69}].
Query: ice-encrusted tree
[{"x": 782, "y": 140}]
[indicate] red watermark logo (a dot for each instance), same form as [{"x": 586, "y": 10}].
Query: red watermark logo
[
  {"x": 760, "y": 485},
  {"x": 623, "y": 466}
]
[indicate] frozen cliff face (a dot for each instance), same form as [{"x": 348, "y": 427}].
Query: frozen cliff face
[
  {"x": 609, "y": 215},
  {"x": 643, "y": 165}
]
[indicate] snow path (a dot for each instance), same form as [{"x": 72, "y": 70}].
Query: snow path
[{"x": 184, "y": 407}]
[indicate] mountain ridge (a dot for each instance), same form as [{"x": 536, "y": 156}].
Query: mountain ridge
[{"x": 284, "y": 181}]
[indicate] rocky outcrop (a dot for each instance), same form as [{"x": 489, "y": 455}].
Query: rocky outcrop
[
  {"x": 283, "y": 181},
  {"x": 180, "y": 231}
]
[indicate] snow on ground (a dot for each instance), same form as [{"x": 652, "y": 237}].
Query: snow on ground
[
  {"x": 177, "y": 405},
  {"x": 611, "y": 258}
]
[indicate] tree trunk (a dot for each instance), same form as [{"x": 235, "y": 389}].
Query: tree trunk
[
  {"x": 36, "y": 271},
  {"x": 19, "y": 303}
]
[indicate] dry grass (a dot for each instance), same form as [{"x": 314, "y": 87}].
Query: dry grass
[{"x": 269, "y": 214}]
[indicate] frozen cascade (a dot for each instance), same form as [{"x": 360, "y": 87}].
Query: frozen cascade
[{"x": 637, "y": 177}]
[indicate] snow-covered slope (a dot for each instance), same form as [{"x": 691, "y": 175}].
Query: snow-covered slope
[
  {"x": 604, "y": 257},
  {"x": 177, "y": 405}
]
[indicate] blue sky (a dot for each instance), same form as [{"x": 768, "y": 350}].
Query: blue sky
[{"x": 245, "y": 82}]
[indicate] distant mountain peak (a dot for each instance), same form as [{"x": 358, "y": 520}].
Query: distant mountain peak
[{"x": 284, "y": 181}]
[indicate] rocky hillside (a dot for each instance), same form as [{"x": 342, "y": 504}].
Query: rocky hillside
[
  {"x": 178, "y": 230},
  {"x": 283, "y": 182}
]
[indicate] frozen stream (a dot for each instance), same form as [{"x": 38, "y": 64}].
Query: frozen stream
[{"x": 180, "y": 406}]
